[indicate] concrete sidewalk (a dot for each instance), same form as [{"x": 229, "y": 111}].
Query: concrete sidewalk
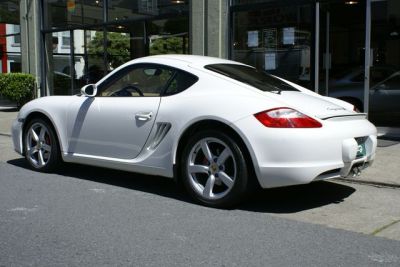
[
  {"x": 7, "y": 115},
  {"x": 384, "y": 172}
]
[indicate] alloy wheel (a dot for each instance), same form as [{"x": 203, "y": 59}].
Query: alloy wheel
[
  {"x": 211, "y": 168},
  {"x": 38, "y": 145}
]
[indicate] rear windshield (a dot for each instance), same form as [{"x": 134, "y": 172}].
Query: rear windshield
[{"x": 251, "y": 76}]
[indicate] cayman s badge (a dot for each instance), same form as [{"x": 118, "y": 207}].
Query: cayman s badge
[{"x": 335, "y": 108}]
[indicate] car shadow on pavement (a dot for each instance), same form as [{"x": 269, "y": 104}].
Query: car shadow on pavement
[
  {"x": 9, "y": 109},
  {"x": 298, "y": 198},
  {"x": 277, "y": 200}
]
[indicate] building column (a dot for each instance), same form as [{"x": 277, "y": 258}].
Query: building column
[
  {"x": 30, "y": 40},
  {"x": 209, "y": 27}
]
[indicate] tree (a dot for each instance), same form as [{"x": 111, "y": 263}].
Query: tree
[
  {"x": 118, "y": 47},
  {"x": 168, "y": 45}
]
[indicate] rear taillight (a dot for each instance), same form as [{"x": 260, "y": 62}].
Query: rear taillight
[{"x": 286, "y": 118}]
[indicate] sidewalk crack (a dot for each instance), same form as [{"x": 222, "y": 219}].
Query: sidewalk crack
[{"x": 380, "y": 229}]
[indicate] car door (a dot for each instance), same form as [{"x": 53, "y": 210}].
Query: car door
[
  {"x": 117, "y": 122},
  {"x": 384, "y": 102}
]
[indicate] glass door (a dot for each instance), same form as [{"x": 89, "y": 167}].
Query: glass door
[
  {"x": 342, "y": 50},
  {"x": 384, "y": 94}
]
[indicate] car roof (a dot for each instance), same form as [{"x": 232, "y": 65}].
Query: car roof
[{"x": 194, "y": 60}]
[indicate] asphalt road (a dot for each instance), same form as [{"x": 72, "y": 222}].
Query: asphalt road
[{"x": 86, "y": 216}]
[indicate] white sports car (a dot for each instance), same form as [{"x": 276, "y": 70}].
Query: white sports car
[{"x": 218, "y": 126}]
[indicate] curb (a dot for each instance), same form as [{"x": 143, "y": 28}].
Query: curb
[{"x": 373, "y": 183}]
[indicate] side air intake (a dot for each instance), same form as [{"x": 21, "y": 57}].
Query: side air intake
[{"x": 161, "y": 132}]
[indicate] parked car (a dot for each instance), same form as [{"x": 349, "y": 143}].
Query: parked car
[
  {"x": 356, "y": 76},
  {"x": 218, "y": 126},
  {"x": 384, "y": 99}
]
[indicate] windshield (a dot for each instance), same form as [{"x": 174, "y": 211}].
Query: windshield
[{"x": 251, "y": 76}]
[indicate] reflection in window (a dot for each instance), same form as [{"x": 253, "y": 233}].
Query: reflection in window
[
  {"x": 137, "y": 9},
  {"x": 17, "y": 36},
  {"x": 169, "y": 36},
  {"x": 94, "y": 68},
  {"x": 393, "y": 83},
  {"x": 101, "y": 44},
  {"x": 10, "y": 48},
  {"x": 147, "y": 80},
  {"x": 64, "y": 13},
  {"x": 65, "y": 39},
  {"x": 276, "y": 39}
]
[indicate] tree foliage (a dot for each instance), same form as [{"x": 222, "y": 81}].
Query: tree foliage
[
  {"x": 168, "y": 45},
  {"x": 118, "y": 47}
]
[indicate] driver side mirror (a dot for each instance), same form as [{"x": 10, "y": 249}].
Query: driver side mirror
[{"x": 89, "y": 90}]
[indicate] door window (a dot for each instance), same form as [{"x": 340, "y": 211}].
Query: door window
[{"x": 137, "y": 80}]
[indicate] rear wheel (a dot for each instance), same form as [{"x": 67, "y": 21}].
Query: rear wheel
[
  {"x": 41, "y": 146},
  {"x": 214, "y": 170}
]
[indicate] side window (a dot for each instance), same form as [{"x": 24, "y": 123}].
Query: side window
[
  {"x": 137, "y": 80},
  {"x": 180, "y": 82},
  {"x": 393, "y": 83}
]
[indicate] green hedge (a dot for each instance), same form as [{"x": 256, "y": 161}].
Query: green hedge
[{"x": 17, "y": 87}]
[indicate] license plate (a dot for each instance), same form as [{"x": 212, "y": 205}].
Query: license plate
[{"x": 361, "y": 152}]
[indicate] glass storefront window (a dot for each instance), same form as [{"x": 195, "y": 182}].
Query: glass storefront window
[
  {"x": 246, "y": 2},
  {"x": 276, "y": 39},
  {"x": 9, "y": 12},
  {"x": 123, "y": 10},
  {"x": 83, "y": 45},
  {"x": 58, "y": 64},
  {"x": 384, "y": 101},
  {"x": 67, "y": 13},
  {"x": 10, "y": 39},
  {"x": 94, "y": 59},
  {"x": 124, "y": 42},
  {"x": 168, "y": 36},
  {"x": 342, "y": 47},
  {"x": 142, "y": 9}
]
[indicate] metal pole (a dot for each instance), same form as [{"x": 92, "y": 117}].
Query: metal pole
[
  {"x": 316, "y": 57},
  {"x": 43, "y": 54},
  {"x": 327, "y": 54},
  {"x": 367, "y": 55},
  {"x": 72, "y": 61}
]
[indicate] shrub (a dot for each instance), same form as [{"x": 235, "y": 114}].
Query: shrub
[{"x": 17, "y": 87}]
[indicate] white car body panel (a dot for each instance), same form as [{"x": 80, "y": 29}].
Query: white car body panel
[
  {"x": 104, "y": 132},
  {"x": 91, "y": 122}
]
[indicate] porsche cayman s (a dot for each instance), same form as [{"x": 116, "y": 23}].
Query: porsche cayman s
[{"x": 217, "y": 126}]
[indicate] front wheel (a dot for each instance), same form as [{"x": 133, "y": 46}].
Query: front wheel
[
  {"x": 214, "y": 170},
  {"x": 41, "y": 146}
]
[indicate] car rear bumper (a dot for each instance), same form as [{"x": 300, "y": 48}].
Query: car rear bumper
[{"x": 284, "y": 157}]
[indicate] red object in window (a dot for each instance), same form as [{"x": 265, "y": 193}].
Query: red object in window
[{"x": 3, "y": 48}]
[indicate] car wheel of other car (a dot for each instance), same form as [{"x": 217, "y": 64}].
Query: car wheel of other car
[
  {"x": 213, "y": 169},
  {"x": 41, "y": 145}
]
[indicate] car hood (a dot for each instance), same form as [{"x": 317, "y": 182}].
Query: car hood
[{"x": 317, "y": 106}]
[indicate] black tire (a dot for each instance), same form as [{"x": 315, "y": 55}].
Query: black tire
[
  {"x": 47, "y": 145},
  {"x": 234, "y": 167}
]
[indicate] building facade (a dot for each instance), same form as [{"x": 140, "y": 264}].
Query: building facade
[{"x": 328, "y": 46}]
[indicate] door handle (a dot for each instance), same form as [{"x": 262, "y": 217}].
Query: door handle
[{"x": 144, "y": 116}]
